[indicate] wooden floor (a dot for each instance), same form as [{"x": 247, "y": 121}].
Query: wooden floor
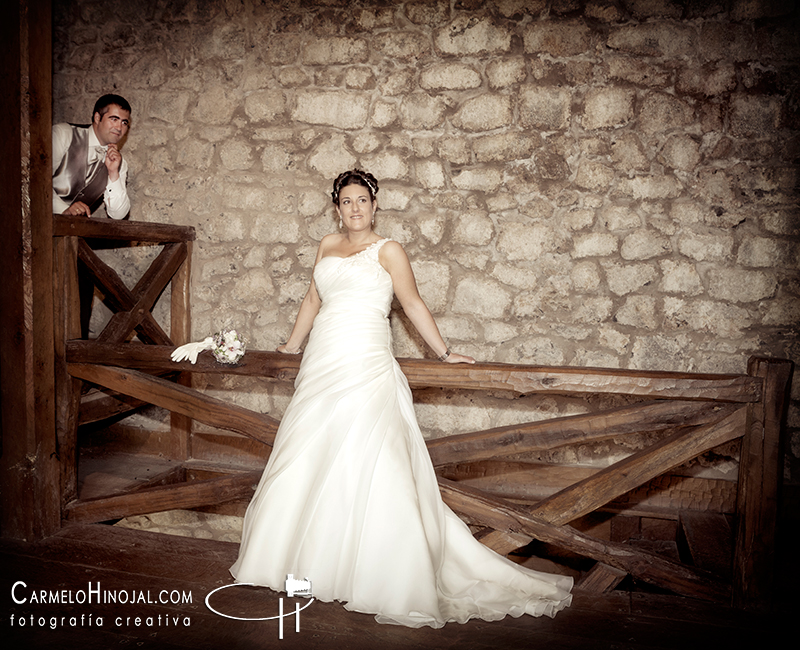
[{"x": 143, "y": 566}]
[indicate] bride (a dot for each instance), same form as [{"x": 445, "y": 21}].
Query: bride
[{"x": 349, "y": 498}]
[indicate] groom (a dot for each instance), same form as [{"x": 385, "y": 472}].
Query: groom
[{"x": 88, "y": 168}]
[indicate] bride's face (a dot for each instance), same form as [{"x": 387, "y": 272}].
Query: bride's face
[{"x": 355, "y": 207}]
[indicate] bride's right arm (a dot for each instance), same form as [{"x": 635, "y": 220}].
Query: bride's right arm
[{"x": 309, "y": 309}]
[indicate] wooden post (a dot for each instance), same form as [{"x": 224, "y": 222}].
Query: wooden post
[
  {"x": 760, "y": 472},
  {"x": 180, "y": 333},
  {"x": 30, "y": 472},
  {"x": 66, "y": 326}
]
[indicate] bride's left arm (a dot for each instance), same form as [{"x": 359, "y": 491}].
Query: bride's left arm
[{"x": 394, "y": 259}]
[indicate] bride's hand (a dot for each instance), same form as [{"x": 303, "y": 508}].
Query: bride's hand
[
  {"x": 284, "y": 350},
  {"x": 458, "y": 358}
]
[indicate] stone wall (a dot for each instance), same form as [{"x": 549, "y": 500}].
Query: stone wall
[{"x": 601, "y": 182}]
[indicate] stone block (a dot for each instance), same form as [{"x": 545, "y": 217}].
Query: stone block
[
  {"x": 236, "y": 155},
  {"x": 422, "y": 111},
  {"x": 484, "y": 113},
  {"x": 557, "y": 38},
  {"x": 719, "y": 318},
  {"x": 484, "y": 179},
  {"x": 706, "y": 247},
  {"x": 384, "y": 115},
  {"x": 503, "y": 73},
  {"x": 470, "y": 35},
  {"x": 481, "y": 298},
  {"x": 628, "y": 153},
  {"x": 429, "y": 174},
  {"x": 216, "y": 105},
  {"x": 501, "y": 147},
  {"x": 765, "y": 252},
  {"x": 740, "y": 285},
  {"x": 473, "y": 228},
  {"x": 265, "y": 105},
  {"x": 754, "y": 116},
  {"x": 334, "y": 50},
  {"x": 638, "y": 71},
  {"x": 596, "y": 244},
  {"x": 387, "y": 164},
  {"x": 433, "y": 281},
  {"x": 544, "y": 107},
  {"x": 709, "y": 80},
  {"x": 644, "y": 244},
  {"x": 607, "y": 108},
  {"x": 620, "y": 217},
  {"x": 594, "y": 175},
  {"x": 169, "y": 107},
  {"x": 449, "y": 76},
  {"x": 402, "y": 45},
  {"x": 585, "y": 276},
  {"x": 661, "y": 113},
  {"x": 638, "y": 311},
  {"x": 649, "y": 188},
  {"x": 681, "y": 152},
  {"x": 344, "y": 110},
  {"x": 593, "y": 309},
  {"x": 521, "y": 241},
  {"x": 680, "y": 277},
  {"x": 657, "y": 39},
  {"x": 331, "y": 156},
  {"x": 514, "y": 276}
]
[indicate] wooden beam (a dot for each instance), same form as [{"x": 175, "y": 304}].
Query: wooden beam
[
  {"x": 631, "y": 472},
  {"x": 118, "y": 297},
  {"x": 760, "y": 475},
  {"x": 601, "y": 579},
  {"x": 180, "y": 331},
  {"x": 168, "y": 497},
  {"x": 29, "y": 468},
  {"x": 489, "y": 376},
  {"x": 663, "y": 496},
  {"x": 180, "y": 399},
  {"x": 575, "y": 429},
  {"x": 145, "y": 294},
  {"x": 533, "y": 379},
  {"x": 499, "y": 514},
  {"x": 97, "y": 228},
  {"x": 709, "y": 541}
]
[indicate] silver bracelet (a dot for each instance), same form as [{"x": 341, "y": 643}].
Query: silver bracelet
[{"x": 445, "y": 355}]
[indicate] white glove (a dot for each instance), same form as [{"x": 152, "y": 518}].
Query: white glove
[{"x": 191, "y": 350}]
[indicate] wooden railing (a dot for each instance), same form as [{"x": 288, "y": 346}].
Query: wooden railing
[{"x": 512, "y": 501}]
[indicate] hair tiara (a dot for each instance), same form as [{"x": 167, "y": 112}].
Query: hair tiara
[{"x": 368, "y": 179}]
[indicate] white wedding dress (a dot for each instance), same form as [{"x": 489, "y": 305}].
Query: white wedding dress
[{"x": 349, "y": 498}]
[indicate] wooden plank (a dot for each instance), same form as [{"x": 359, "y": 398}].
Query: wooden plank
[
  {"x": 168, "y": 497},
  {"x": 145, "y": 294},
  {"x": 709, "y": 540},
  {"x": 665, "y": 495},
  {"x": 575, "y": 429},
  {"x": 535, "y": 379},
  {"x": 154, "y": 358},
  {"x": 480, "y": 509},
  {"x": 180, "y": 331},
  {"x": 29, "y": 468},
  {"x": 760, "y": 474},
  {"x": 180, "y": 399},
  {"x": 601, "y": 579},
  {"x": 66, "y": 325},
  {"x": 99, "y": 228},
  {"x": 500, "y": 541},
  {"x": 489, "y": 376},
  {"x": 631, "y": 472}
]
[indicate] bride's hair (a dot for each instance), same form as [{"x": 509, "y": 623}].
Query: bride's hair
[{"x": 354, "y": 177}]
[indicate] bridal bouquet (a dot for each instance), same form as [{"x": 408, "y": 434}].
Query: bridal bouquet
[{"x": 227, "y": 346}]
